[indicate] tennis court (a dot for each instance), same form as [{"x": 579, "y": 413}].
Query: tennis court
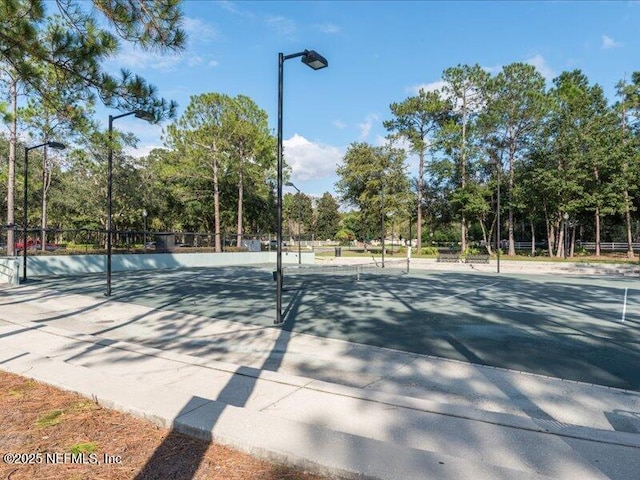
[{"x": 583, "y": 328}]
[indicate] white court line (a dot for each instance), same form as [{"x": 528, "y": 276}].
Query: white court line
[
  {"x": 624, "y": 305},
  {"x": 466, "y": 291}
]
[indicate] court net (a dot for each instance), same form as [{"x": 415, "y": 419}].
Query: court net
[{"x": 357, "y": 272}]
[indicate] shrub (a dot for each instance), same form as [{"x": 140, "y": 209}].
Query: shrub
[
  {"x": 580, "y": 251},
  {"x": 429, "y": 251},
  {"x": 344, "y": 236}
]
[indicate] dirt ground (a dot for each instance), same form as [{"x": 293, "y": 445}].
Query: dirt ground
[{"x": 50, "y": 434}]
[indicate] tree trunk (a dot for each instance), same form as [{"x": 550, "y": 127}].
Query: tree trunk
[
  {"x": 597, "y": 231},
  {"x": 46, "y": 183},
  {"x": 485, "y": 238},
  {"x": 550, "y": 238},
  {"x": 560, "y": 236},
  {"x": 533, "y": 238},
  {"x": 627, "y": 206},
  {"x": 463, "y": 172},
  {"x": 240, "y": 201},
  {"x": 216, "y": 207},
  {"x": 11, "y": 182},
  {"x": 630, "y": 253},
  {"x": 512, "y": 150},
  {"x": 573, "y": 241}
]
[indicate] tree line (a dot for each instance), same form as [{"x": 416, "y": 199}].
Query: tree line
[
  {"x": 216, "y": 173},
  {"x": 566, "y": 159}
]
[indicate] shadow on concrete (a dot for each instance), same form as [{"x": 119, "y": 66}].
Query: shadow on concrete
[
  {"x": 178, "y": 456},
  {"x": 236, "y": 393},
  {"x": 566, "y": 328}
]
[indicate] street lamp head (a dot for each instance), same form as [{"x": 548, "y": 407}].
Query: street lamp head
[
  {"x": 144, "y": 213},
  {"x": 145, "y": 115},
  {"x": 314, "y": 60},
  {"x": 565, "y": 215},
  {"x": 56, "y": 145}
]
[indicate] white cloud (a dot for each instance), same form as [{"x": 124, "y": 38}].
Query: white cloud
[
  {"x": 141, "y": 151},
  {"x": 198, "y": 30},
  {"x": 135, "y": 58},
  {"x": 608, "y": 42},
  {"x": 493, "y": 70},
  {"x": 146, "y": 133},
  {"x": 540, "y": 63},
  {"x": 282, "y": 25},
  {"x": 232, "y": 7},
  {"x": 366, "y": 126},
  {"x": 309, "y": 160},
  {"x": 398, "y": 143},
  {"x": 427, "y": 87},
  {"x": 339, "y": 124},
  {"x": 380, "y": 141},
  {"x": 328, "y": 28}
]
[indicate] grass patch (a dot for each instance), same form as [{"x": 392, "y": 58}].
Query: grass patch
[
  {"x": 16, "y": 394},
  {"x": 20, "y": 391},
  {"x": 50, "y": 419},
  {"x": 87, "y": 447},
  {"x": 83, "y": 406}
]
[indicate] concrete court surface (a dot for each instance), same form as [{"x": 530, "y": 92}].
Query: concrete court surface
[
  {"x": 480, "y": 422},
  {"x": 577, "y": 327}
]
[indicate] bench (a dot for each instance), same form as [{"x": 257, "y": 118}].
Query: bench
[
  {"x": 448, "y": 257},
  {"x": 476, "y": 259}
]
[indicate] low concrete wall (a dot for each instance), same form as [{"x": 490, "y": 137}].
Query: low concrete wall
[
  {"x": 78, "y": 264},
  {"x": 10, "y": 270}
]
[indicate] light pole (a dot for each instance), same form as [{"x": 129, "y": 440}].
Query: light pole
[
  {"x": 144, "y": 231},
  {"x": 289, "y": 184},
  {"x": 149, "y": 117},
  {"x": 57, "y": 146},
  {"x": 382, "y": 215},
  {"x": 565, "y": 217},
  {"x": 496, "y": 162},
  {"x": 315, "y": 61}
]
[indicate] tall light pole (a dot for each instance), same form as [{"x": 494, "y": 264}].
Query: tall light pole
[
  {"x": 382, "y": 215},
  {"x": 290, "y": 184},
  {"x": 148, "y": 116},
  {"x": 495, "y": 162},
  {"x": 54, "y": 145},
  {"x": 144, "y": 231},
  {"x": 315, "y": 61}
]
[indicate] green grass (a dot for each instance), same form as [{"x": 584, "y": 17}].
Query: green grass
[
  {"x": 87, "y": 447},
  {"x": 22, "y": 389},
  {"x": 516, "y": 258},
  {"x": 50, "y": 419}
]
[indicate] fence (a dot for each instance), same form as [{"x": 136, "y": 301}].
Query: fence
[
  {"x": 94, "y": 241},
  {"x": 610, "y": 246}
]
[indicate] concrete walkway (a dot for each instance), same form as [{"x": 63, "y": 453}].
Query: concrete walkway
[{"x": 327, "y": 405}]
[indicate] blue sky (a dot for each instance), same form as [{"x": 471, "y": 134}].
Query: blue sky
[{"x": 378, "y": 52}]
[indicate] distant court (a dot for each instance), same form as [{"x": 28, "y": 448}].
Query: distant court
[{"x": 573, "y": 327}]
